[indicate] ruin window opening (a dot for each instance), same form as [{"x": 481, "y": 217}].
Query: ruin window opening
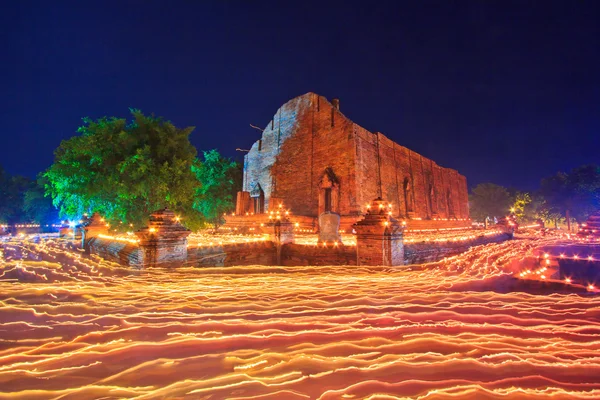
[
  {"x": 328, "y": 199},
  {"x": 258, "y": 199},
  {"x": 451, "y": 213},
  {"x": 430, "y": 199},
  {"x": 329, "y": 192},
  {"x": 259, "y": 205},
  {"x": 259, "y": 145},
  {"x": 408, "y": 199}
]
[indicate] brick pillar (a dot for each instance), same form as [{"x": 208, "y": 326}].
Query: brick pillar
[
  {"x": 275, "y": 204},
  {"x": 163, "y": 243},
  {"x": 64, "y": 231},
  {"x": 91, "y": 229},
  {"x": 379, "y": 237},
  {"x": 243, "y": 203}
]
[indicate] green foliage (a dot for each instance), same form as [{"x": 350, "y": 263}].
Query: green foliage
[
  {"x": 489, "y": 200},
  {"x": 125, "y": 171},
  {"x": 519, "y": 205},
  {"x": 219, "y": 179}
]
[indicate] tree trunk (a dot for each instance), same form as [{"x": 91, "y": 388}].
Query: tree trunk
[{"x": 568, "y": 215}]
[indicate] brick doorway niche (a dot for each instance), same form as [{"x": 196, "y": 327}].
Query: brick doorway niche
[
  {"x": 258, "y": 199},
  {"x": 329, "y": 192}
]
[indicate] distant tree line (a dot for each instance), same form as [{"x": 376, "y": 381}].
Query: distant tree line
[
  {"x": 23, "y": 200},
  {"x": 562, "y": 198}
]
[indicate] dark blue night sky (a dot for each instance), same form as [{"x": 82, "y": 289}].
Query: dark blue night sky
[{"x": 507, "y": 92}]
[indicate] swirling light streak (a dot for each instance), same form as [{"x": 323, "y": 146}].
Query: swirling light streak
[{"x": 75, "y": 326}]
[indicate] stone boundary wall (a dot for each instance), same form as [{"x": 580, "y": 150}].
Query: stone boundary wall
[
  {"x": 265, "y": 253},
  {"x": 124, "y": 253},
  {"x": 297, "y": 254},
  {"x": 259, "y": 253},
  {"x": 582, "y": 269},
  {"x": 425, "y": 252}
]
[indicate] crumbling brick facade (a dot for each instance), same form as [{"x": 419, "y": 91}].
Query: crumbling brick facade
[{"x": 313, "y": 158}]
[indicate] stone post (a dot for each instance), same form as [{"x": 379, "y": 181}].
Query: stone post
[
  {"x": 329, "y": 228},
  {"x": 92, "y": 228},
  {"x": 508, "y": 225},
  {"x": 163, "y": 243},
  {"x": 379, "y": 237},
  {"x": 64, "y": 231},
  {"x": 281, "y": 231},
  {"x": 275, "y": 204}
]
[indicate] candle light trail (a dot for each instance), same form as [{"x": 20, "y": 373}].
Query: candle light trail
[{"x": 75, "y": 326}]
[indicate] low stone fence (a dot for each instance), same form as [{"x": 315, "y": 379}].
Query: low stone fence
[
  {"x": 124, "y": 253},
  {"x": 424, "y": 252},
  {"x": 577, "y": 262},
  {"x": 131, "y": 255},
  {"x": 298, "y": 254},
  {"x": 256, "y": 253},
  {"x": 379, "y": 241},
  {"x": 265, "y": 253}
]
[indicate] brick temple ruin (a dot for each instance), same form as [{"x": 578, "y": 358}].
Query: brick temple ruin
[{"x": 313, "y": 159}]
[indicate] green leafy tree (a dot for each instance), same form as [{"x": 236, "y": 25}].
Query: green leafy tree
[
  {"x": 5, "y": 207},
  {"x": 219, "y": 179},
  {"x": 125, "y": 171},
  {"x": 519, "y": 205},
  {"x": 573, "y": 195},
  {"x": 488, "y": 200}
]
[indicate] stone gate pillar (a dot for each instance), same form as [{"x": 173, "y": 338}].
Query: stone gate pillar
[
  {"x": 92, "y": 228},
  {"x": 281, "y": 231},
  {"x": 163, "y": 243},
  {"x": 379, "y": 237}
]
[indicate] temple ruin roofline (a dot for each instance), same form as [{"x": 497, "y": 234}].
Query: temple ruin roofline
[{"x": 312, "y": 158}]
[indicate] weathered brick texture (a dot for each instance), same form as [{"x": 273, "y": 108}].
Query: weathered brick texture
[
  {"x": 124, "y": 253},
  {"x": 310, "y": 148},
  {"x": 425, "y": 252}
]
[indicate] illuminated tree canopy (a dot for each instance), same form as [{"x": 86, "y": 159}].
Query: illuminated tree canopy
[
  {"x": 125, "y": 171},
  {"x": 219, "y": 177}
]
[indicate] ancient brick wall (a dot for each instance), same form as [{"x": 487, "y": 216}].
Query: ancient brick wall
[
  {"x": 124, "y": 253},
  {"x": 424, "y": 252},
  {"x": 295, "y": 254},
  {"x": 309, "y": 135},
  {"x": 260, "y": 253},
  {"x": 416, "y": 186}
]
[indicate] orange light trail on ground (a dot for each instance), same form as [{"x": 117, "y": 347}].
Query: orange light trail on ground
[{"x": 79, "y": 327}]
